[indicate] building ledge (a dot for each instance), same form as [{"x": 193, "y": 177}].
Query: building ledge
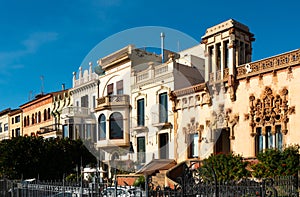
[
  {"x": 163, "y": 125},
  {"x": 140, "y": 129}
]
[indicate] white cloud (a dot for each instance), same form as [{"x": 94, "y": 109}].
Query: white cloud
[
  {"x": 11, "y": 59},
  {"x": 35, "y": 40}
]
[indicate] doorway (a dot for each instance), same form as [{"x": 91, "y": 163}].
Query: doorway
[
  {"x": 222, "y": 144},
  {"x": 163, "y": 146}
]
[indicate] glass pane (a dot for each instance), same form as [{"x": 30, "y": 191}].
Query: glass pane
[
  {"x": 141, "y": 113},
  {"x": 66, "y": 131},
  {"x": 88, "y": 131},
  {"x": 116, "y": 126},
  {"x": 141, "y": 149},
  {"x": 269, "y": 139},
  {"x": 278, "y": 137},
  {"x": 259, "y": 140},
  {"x": 194, "y": 145},
  {"x": 102, "y": 127},
  {"x": 163, "y": 107},
  {"x": 18, "y": 132}
]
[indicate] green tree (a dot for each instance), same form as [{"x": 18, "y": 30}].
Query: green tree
[
  {"x": 225, "y": 166},
  {"x": 30, "y": 157},
  {"x": 274, "y": 162}
]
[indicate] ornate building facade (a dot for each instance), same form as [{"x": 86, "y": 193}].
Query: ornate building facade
[{"x": 243, "y": 107}]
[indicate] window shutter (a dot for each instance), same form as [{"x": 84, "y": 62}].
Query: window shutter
[{"x": 110, "y": 89}]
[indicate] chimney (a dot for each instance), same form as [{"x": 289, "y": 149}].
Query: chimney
[{"x": 63, "y": 86}]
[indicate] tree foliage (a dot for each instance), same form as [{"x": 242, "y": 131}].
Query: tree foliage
[
  {"x": 274, "y": 162},
  {"x": 270, "y": 163},
  {"x": 225, "y": 166},
  {"x": 28, "y": 157}
]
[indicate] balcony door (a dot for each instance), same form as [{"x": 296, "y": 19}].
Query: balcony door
[{"x": 163, "y": 146}]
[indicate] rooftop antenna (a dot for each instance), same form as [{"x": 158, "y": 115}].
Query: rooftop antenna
[
  {"x": 162, "y": 39},
  {"x": 42, "y": 84}
]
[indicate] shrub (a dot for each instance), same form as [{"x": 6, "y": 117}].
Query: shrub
[
  {"x": 274, "y": 162},
  {"x": 225, "y": 166}
]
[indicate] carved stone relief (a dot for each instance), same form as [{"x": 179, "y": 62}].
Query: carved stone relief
[
  {"x": 191, "y": 128},
  {"x": 269, "y": 109},
  {"x": 224, "y": 118}
]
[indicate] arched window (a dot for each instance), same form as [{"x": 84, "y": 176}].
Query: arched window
[
  {"x": 102, "y": 127},
  {"x": 39, "y": 117},
  {"x": 45, "y": 114},
  {"x": 116, "y": 126},
  {"x": 32, "y": 119},
  {"x": 28, "y": 121}
]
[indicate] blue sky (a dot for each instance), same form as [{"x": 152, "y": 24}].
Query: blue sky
[{"x": 52, "y": 38}]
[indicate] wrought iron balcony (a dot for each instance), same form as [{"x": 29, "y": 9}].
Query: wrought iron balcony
[
  {"x": 52, "y": 129},
  {"x": 111, "y": 101}
]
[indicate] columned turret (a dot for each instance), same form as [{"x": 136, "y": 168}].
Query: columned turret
[{"x": 227, "y": 45}]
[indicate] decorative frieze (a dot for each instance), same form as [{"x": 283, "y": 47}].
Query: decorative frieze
[{"x": 286, "y": 60}]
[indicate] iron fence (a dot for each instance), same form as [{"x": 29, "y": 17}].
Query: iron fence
[{"x": 192, "y": 184}]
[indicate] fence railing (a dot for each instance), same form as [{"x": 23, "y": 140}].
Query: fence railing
[{"x": 190, "y": 184}]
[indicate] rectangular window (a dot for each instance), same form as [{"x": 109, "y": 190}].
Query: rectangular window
[
  {"x": 120, "y": 87},
  {"x": 259, "y": 141},
  {"x": 193, "y": 146},
  {"x": 65, "y": 131},
  {"x": 18, "y": 133},
  {"x": 141, "y": 150},
  {"x": 0, "y": 127},
  {"x": 94, "y": 102},
  {"x": 5, "y": 127},
  {"x": 85, "y": 101},
  {"x": 163, "y": 107},
  {"x": 13, "y": 133},
  {"x": 88, "y": 131},
  {"x": 110, "y": 89},
  {"x": 12, "y": 120},
  {"x": 17, "y": 119},
  {"x": 278, "y": 137},
  {"x": 140, "y": 112},
  {"x": 269, "y": 138}
]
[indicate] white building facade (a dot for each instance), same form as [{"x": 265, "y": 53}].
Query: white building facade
[{"x": 78, "y": 117}]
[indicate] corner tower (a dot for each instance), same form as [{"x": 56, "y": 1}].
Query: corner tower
[{"x": 227, "y": 45}]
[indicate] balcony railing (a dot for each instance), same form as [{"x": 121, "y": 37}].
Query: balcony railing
[
  {"x": 113, "y": 143},
  {"x": 282, "y": 61},
  {"x": 113, "y": 101},
  {"x": 76, "y": 111},
  {"x": 51, "y": 128}
]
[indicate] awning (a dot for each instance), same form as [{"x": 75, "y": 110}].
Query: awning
[{"x": 155, "y": 165}]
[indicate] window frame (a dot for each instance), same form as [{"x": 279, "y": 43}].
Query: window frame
[
  {"x": 141, "y": 112},
  {"x": 163, "y": 107},
  {"x": 102, "y": 127},
  {"x": 116, "y": 122}
]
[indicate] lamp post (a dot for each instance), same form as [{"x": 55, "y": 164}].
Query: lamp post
[{"x": 115, "y": 181}]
